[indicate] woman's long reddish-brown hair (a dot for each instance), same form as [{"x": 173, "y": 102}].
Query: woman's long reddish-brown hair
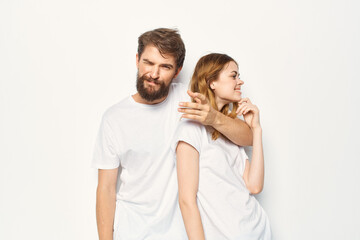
[{"x": 207, "y": 70}]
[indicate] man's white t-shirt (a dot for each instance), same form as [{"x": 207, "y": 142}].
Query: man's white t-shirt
[
  {"x": 227, "y": 209},
  {"x": 136, "y": 138}
]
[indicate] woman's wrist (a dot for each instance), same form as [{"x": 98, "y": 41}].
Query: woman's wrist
[{"x": 256, "y": 129}]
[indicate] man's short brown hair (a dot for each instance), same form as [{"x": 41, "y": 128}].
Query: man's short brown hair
[{"x": 167, "y": 41}]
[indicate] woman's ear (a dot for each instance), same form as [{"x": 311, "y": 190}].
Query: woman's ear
[{"x": 212, "y": 85}]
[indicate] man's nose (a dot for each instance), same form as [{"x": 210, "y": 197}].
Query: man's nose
[{"x": 154, "y": 72}]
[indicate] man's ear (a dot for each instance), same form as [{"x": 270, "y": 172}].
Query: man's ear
[
  {"x": 177, "y": 72},
  {"x": 137, "y": 60}
]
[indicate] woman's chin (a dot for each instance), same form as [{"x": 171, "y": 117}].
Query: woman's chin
[{"x": 237, "y": 99}]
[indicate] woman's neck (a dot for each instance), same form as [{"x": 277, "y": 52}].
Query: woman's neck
[{"x": 220, "y": 103}]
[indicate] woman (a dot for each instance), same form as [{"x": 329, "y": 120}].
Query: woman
[{"x": 216, "y": 180}]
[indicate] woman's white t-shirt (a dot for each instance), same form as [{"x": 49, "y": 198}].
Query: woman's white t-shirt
[{"x": 227, "y": 209}]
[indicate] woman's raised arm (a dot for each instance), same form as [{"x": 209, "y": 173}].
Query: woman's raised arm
[{"x": 254, "y": 171}]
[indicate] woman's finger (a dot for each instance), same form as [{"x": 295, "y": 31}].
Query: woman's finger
[
  {"x": 241, "y": 107},
  {"x": 253, "y": 108},
  {"x": 244, "y": 100},
  {"x": 246, "y": 110}
]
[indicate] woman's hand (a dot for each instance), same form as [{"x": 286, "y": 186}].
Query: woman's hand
[
  {"x": 254, "y": 170},
  {"x": 250, "y": 112}
]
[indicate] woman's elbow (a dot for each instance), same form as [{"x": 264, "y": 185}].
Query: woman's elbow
[
  {"x": 187, "y": 203},
  {"x": 256, "y": 189}
]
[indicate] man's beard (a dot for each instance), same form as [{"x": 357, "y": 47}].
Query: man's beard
[{"x": 149, "y": 94}]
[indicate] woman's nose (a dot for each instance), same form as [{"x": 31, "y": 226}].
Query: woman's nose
[{"x": 239, "y": 81}]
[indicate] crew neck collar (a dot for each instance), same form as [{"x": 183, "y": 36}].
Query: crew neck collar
[{"x": 144, "y": 105}]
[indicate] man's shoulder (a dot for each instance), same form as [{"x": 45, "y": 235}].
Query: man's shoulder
[
  {"x": 178, "y": 85},
  {"x": 117, "y": 109},
  {"x": 179, "y": 90}
]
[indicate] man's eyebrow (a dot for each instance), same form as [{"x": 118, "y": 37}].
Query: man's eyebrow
[
  {"x": 167, "y": 65},
  {"x": 146, "y": 60}
]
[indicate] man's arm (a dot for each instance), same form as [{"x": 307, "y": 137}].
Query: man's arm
[
  {"x": 105, "y": 202},
  {"x": 235, "y": 130}
]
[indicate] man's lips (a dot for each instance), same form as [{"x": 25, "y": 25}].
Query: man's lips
[{"x": 151, "y": 82}]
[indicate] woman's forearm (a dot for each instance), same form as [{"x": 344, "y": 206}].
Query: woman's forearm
[
  {"x": 255, "y": 180},
  {"x": 192, "y": 220}
]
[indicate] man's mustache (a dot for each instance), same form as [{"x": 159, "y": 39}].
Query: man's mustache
[{"x": 150, "y": 79}]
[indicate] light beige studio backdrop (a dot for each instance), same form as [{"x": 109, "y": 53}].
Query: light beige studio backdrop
[{"x": 62, "y": 63}]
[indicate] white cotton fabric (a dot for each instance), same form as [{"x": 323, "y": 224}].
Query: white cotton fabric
[
  {"x": 227, "y": 209},
  {"x": 136, "y": 138}
]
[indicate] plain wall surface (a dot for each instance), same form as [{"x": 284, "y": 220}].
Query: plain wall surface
[{"x": 63, "y": 63}]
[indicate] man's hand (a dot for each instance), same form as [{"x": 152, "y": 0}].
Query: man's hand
[
  {"x": 200, "y": 110},
  {"x": 236, "y": 130}
]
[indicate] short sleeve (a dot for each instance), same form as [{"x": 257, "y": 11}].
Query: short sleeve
[
  {"x": 105, "y": 154},
  {"x": 190, "y": 132}
]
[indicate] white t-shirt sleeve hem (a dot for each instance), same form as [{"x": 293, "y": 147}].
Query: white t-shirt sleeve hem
[
  {"x": 190, "y": 132},
  {"x": 105, "y": 155},
  {"x": 103, "y": 166}
]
